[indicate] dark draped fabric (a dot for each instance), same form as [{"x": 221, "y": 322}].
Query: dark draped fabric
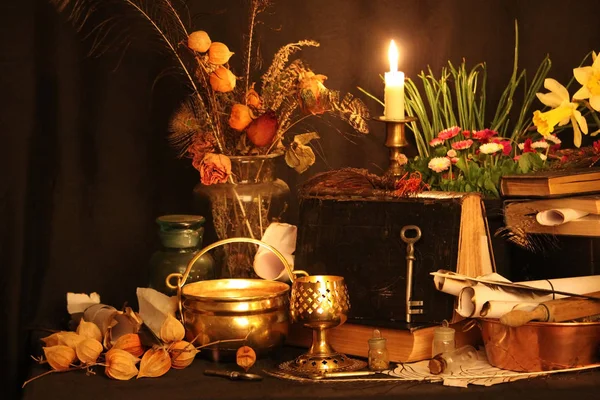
[{"x": 85, "y": 164}]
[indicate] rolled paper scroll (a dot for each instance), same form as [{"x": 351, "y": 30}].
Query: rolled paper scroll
[
  {"x": 497, "y": 308},
  {"x": 558, "y": 216},
  {"x": 266, "y": 264}
]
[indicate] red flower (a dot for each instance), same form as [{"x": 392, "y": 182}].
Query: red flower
[
  {"x": 596, "y": 145},
  {"x": 527, "y": 147},
  {"x": 507, "y": 146},
  {"x": 484, "y": 135},
  {"x": 449, "y": 133}
]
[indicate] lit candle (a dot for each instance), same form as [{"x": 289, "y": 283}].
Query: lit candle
[{"x": 394, "y": 87}]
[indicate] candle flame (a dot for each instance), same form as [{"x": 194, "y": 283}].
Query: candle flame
[{"x": 393, "y": 56}]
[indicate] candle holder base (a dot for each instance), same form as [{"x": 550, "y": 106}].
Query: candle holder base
[{"x": 395, "y": 140}]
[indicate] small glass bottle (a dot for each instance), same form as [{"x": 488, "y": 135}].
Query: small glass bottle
[
  {"x": 443, "y": 339},
  {"x": 452, "y": 361},
  {"x": 379, "y": 359},
  {"x": 181, "y": 239}
]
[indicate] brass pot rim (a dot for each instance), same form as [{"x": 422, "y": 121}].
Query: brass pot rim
[
  {"x": 542, "y": 324},
  {"x": 271, "y": 289}
]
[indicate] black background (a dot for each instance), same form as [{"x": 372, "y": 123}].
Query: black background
[{"x": 84, "y": 161}]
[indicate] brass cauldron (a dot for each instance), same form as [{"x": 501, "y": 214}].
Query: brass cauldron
[
  {"x": 541, "y": 346},
  {"x": 234, "y": 312}
]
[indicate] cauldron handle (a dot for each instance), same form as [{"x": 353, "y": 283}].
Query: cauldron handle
[{"x": 181, "y": 278}]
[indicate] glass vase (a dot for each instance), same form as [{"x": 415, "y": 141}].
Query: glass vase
[{"x": 244, "y": 207}]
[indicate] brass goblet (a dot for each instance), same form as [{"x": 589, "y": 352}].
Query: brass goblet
[{"x": 320, "y": 302}]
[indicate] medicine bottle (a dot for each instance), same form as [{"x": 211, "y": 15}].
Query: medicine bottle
[
  {"x": 379, "y": 359},
  {"x": 453, "y": 361},
  {"x": 443, "y": 339}
]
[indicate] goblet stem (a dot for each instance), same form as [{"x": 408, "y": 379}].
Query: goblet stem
[{"x": 319, "y": 344}]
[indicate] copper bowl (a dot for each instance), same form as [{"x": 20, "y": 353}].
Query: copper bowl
[{"x": 541, "y": 346}]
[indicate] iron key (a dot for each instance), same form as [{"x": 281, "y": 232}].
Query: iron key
[{"x": 410, "y": 257}]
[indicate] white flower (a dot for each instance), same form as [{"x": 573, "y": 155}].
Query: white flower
[
  {"x": 439, "y": 164},
  {"x": 490, "y": 148},
  {"x": 521, "y": 146},
  {"x": 540, "y": 144},
  {"x": 553, "y": 138},
  {"x": 542, "y": 156}
]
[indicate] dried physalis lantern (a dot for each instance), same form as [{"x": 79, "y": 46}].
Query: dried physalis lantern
[
  {"x": 218, "y": 53},
  {"x": 240, "y": 117},
  {"x": 155, "y": 362},
  {"x": 88, "y": 350},
  {"x": 60, "y": 356},
  {"x": 51, "y": 340},
  {"x": 69, "y": 338},
  {"x": 253, "y": 98},
  {"x": 182, "y": 354},
  {"x": 131, "y": 343},
  {"x": 89, "y": 330},
  {"x": 262, "y": 130},
  {"x": 222, "y": 80},
  {"x": 199, "y": 41},
  {"x": 171, "y": 330},
  {"x": 120, "y": 365},
  {"x": 245, "y": 357}
]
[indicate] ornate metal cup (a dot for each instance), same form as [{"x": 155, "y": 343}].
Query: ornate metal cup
[{"x": 320, "y": 302}]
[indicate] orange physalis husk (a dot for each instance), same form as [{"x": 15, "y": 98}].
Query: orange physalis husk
[
  {"x": 240, "y": 117},
  {"x": 245, "y": 357},
  {"x": 182, "y": 354},
  {"x": 51, "y": 340},
  {"x": 88, "y": 350},
  {"x": 253, "y": 98},
  {"x": 120, "y": 364},
  {"x": 60, "y": 356},
  {"x": 171, "y": 330},
  {"x": 218, "y": 53},
  {"x": 89, "y": 330},
  {"x": 131, "y": 343},
  {"x": 155, "y": 362},
  {"x": 222, "y": 80},
  {"x": 199, "y": 41},
  {"x": 69, "y": 338}
]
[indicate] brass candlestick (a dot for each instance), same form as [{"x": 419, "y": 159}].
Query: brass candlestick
[{"x": 395, "y": 140}]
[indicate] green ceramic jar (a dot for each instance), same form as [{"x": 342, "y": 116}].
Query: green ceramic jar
[{"x": 181, "y": 239}]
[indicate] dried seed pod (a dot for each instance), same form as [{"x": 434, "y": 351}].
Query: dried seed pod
[
  {"x": 199, "y": 41},
  {"x": 89, "y": 330},
  {"x": 171, "y": 330},
  {"x": 155, "y": 362},
  {"x": 60, "y": 356},
  {"x": 218, "y": 53},
  {"x": 252, "y": 98},
  {"x": 120, "y": 364},
  {"x": 131, "y": 343},
  {"x": 222, "y": 80},
  {"x": 262, "y": 130},
  {"x": 182, "y": 354},
  {"x": 69, "y": 338},
  {"x": 51, "y": 340},
  {"x": 245, "y": 357},
  {"x": 240, "y": 117},
  {"x": 88, "y": 350}
]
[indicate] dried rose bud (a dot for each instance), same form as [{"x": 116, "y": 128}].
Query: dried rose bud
[
  {"x": 60, "y": 356},
  {"x": 131, "y": 343},
  {"x": 218, "y": 53},
  {"x": 120, "y": 365},
  {"x": 155, "y": 362},
  {"x": 89, "y": 330},
  {"x": 222, "y": 80},
  {"x": 199, "y": 41},
  {"x": 182, "y": 354},
  {"x": 240, "y": 117},
  {"x": 88, "y": 350},
  {"x": 245, "y": 357},
  {"x": 70, "y": 339},
  {"x": 252, "y": 98},
  {"x": 262, "y": 130}
]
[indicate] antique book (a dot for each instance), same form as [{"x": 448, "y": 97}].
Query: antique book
[
  {"x": 404, "y": 343},
  {"x": 358, "y": 237},
  {"x": 520, "y": 217},
  {"x": 551, "y": 183},
  {"x": 589, "y": 203}
]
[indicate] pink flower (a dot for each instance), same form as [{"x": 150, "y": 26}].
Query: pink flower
[
  {"x": 451, "y": 153},
  {"x": 484, "y": 135},
  {"x": 462, "y": 144},
  {"x": 596, "y": 146},
  {"x": 214, "y": 168},
  {"x": 436, "y": 142},
  {"x": 439, "y": 164},
  {"x": 467, "y": 134},
  {"x": 453, "y": 160},
  {"x": 507, "y": 146},
  {"x": 449, "y": 133}
]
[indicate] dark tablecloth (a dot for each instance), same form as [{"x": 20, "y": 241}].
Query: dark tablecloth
[{"x": 191, "y": 383}]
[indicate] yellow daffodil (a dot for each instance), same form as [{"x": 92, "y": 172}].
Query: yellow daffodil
[
  {"x": 589, "y": 78},
  {"x": 563, "y": 111}
]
